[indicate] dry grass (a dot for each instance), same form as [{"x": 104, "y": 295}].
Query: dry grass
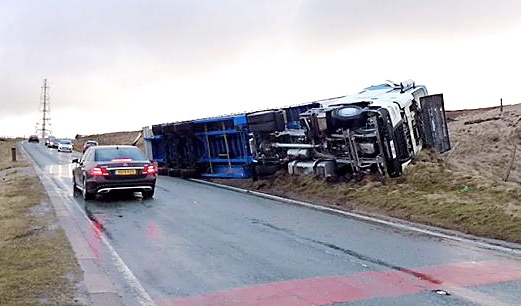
[
  {"x": 37, "y": 263},
  {"x": 461, "y": 190},
  {"x": 5, "y": 155}
]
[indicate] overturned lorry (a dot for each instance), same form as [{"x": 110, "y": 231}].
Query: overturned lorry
[{"x": 377, "y": 130}]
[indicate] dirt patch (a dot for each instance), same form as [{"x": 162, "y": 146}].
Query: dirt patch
[{"x": 38, "y": 265}]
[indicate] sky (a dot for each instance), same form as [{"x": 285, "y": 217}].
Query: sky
[{"x": 121, "y": 65}]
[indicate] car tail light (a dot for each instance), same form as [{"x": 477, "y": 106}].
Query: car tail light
[
  {"x": 150, "y": 169},
  {"x": 98, "y": 171}
]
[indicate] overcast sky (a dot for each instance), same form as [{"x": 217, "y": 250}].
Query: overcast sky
[{"x": 120, "y": 65}]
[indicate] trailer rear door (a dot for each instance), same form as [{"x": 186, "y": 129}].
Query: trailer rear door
[{"x": 434, "y": 123}]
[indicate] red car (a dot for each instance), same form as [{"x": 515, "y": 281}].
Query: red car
[{"x": 34, "y": 138}]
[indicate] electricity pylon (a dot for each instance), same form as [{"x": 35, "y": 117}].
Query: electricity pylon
[{"x": 45, "y": 110}]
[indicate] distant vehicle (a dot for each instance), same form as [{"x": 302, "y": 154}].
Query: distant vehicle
[
  {"x": 88, "y": 144},
  {"x": 103, "y": 169},
  {"x": 52, "y": 142},
  {"x": 48, "y": 140},
  {"x": 34, "y": 138},
  {"x": 65, "y": 146}
]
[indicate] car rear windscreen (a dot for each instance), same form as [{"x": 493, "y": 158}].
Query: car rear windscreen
[{"x": 108, "y": 154}]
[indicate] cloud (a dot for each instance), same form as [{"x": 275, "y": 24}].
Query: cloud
[
  {"x": 105, "y": 55},
  {"x": 343, "y": 22}
]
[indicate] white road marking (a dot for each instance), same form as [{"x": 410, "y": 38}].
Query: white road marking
[{"x": 129, "y": 277}]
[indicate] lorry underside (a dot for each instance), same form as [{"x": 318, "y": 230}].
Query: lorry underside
[
  {"x": 378, "y": 130},
  {"x": 348, "y": 139}
]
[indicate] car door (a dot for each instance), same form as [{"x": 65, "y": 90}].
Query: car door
[{"x": 80, "y": 167}]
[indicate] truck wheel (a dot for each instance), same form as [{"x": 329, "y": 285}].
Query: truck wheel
[
  {"x": 174, "y": 172},
  {"x": 266, "y": 170},
  {"x": 348, "y": 117},
  {"x": 188, "y": 173}
]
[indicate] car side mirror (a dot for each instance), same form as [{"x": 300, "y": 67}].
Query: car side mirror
[{"x": 75, "y": 161}]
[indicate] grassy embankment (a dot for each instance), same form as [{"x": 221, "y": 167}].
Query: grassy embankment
[
  {"x": 37, "y": 264},
  {"x": 108, "y": 139}
]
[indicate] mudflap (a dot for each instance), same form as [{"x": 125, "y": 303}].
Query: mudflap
[{"x": 434, "y": 123}]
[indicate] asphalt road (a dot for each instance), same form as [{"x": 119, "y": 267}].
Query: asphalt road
[{"x": 195, "y": 244}]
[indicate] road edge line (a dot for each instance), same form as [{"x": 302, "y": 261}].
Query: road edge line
[
  {"x": 57, "y": 200},
  {"x": 510, "y": 248}
]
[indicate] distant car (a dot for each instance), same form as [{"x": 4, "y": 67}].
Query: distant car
[
  {"x": 103, "y": 169},
  {"x": 34, "y": 138},
  {"x": 88, "y": 144},
  {"x": 49, "y": 140},
  {"x": 53, "y": 143},
  {"x": 65, "y": 146}
]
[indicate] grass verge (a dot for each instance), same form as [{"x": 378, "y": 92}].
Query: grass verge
[
  {"x": 430, "y": 192},
  {"x": 37, "y": 263}
]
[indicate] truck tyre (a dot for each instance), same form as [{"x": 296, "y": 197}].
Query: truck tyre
[
  {"x": 174, "y": 172},
  {"x": 188, "y": 173},
  {"x": 266, "y": 170},
  {"x": 348, "y": 117},
  {"x": 162, "y": 171}
]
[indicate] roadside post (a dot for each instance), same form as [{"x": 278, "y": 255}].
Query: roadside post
[
  {"x": 13, "y": 154},
  {"x": 507, "y": 174}
]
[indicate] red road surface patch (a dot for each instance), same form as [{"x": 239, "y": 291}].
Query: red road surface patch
[{"x": 361, "y": 286}]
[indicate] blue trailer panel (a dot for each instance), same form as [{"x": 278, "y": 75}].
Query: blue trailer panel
[{"x": 223, "y": 147}]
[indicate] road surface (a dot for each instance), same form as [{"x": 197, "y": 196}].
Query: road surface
[{"x": 195, "y": 244}]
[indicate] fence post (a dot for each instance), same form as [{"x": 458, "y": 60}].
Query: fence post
[
  {"x": 507, "y": 174},
  {"x": 13, "y": 154},
  {"x": 501, "y": 105}
]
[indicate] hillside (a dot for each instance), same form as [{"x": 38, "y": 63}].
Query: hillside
[
  {"x": 109, "y": 138},
  {"x": 463, "y": 189}
]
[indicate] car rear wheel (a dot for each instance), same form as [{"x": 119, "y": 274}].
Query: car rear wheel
[
  {"x": 148, "y": 194},
  {"x": 86, "y": 195}
]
